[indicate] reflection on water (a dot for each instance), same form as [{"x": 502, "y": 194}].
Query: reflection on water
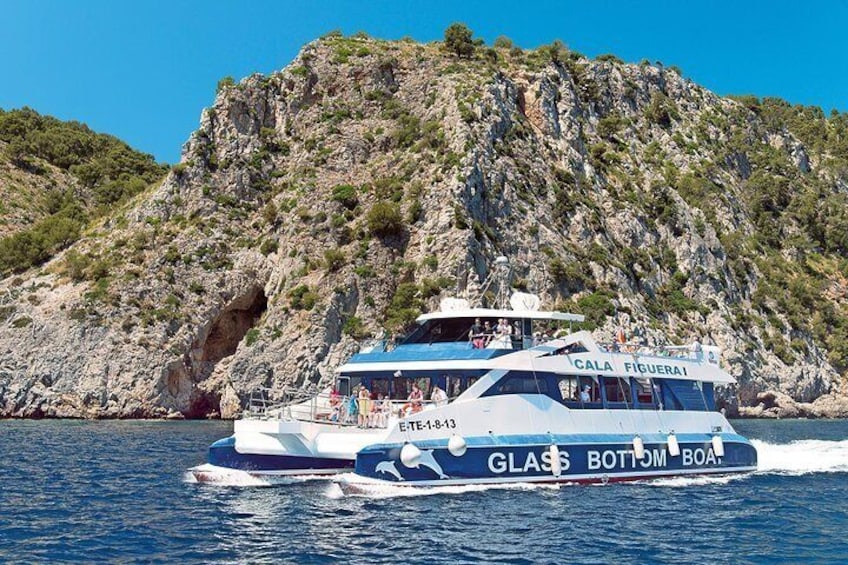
[{"x": 116, "y": 491}]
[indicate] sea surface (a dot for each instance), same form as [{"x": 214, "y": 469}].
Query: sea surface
[{"x": 118, "y": 492}]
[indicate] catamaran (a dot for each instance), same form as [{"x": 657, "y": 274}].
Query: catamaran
[{"x": 515, "y": 406}]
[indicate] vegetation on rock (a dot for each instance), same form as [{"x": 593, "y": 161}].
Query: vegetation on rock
[{"x": 370, "y": 179}]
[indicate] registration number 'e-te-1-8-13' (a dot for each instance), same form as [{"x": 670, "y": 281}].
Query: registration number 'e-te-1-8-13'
[{"x": 421, "y": 425}]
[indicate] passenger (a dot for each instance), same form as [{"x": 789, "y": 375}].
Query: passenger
[
  {"x": 335, "y": 397},
  {"x": 385, "y": 408},
  {"x": 475, "y": 335},
  {"x": 438, "y": 396},
  {"x": 364, "y": 406},
  {"x": 374, "y": 415},
  {"x": 584, "y": 394},
  {"x": 352, "y": 410},
  {"x": 416, "y": 397},
  {"x": 456, "y": 390},
  {"x": 488, "y": 333}
]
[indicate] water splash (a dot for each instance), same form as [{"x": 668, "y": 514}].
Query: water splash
[
  {"x": 349, "y": 484},
  {"x": 222, "y": 476},
  {"x": 699, "y": 480},
  {"x": 802, "y": 457}
]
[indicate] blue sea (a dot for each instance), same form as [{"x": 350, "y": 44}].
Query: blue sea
[{"x": 118, "y": 492}]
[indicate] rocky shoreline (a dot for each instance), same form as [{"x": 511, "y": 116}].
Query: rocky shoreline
[{"x": 777, "y": 405}]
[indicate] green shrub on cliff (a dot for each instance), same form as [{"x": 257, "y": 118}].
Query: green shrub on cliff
[
  {"x": 109, "y": 171},
  {"x": 458, "y": 40},
  {"x": 385, "y": 219}
]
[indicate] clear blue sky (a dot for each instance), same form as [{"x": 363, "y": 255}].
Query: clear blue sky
[{"x": 144, "y": 70}]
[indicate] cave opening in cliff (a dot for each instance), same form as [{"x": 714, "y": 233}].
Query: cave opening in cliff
[{"x": 232, "y": 325}]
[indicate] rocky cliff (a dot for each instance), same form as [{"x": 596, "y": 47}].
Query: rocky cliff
[{"x": 352, "y": 189}]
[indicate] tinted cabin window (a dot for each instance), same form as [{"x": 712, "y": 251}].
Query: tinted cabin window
[
  {"x": 442, "y": 331},
  {"x": 644, "y": 392},
  {"x": 683, "y": 395},
  {"x": 402, "y": 386},
  {"x": 617, "y": 390},
  {"x": 523, "y": 385},
  {"x": 590, "y": 392},
  {"x": 454, "y": 386},
  {"x": 569, "y": 389},
  {"x": 343, "y": 386},
  {"x": 379, "y": 386}
]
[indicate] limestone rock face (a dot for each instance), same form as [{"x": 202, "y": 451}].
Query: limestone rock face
[{"x": 617, "y": 190}]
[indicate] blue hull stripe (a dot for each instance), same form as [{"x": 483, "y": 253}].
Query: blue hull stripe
[
  {"x": 584, "y": 462},
  {"x": 222, "y": 453}
]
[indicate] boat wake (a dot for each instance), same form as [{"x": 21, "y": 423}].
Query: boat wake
[
  {"x": 800, "y": 457},
  {"x": 349, "y": 484},
  {"x": 224, "y": 477}
]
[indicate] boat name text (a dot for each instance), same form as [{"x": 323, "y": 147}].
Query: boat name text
[
  {"x": 644, "y": 368},
  {"x": 598, "y": 460}
]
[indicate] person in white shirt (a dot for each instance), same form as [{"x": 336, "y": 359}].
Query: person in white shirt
[{"x": 438, "y": 396}]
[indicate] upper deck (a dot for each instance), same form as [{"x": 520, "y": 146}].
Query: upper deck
[{"x": 450, "y": 335}]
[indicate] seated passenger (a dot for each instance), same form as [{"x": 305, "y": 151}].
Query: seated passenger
[
  {"x": 438, "y": 396},
  {"x": 584, "y": 394},
  {"x": 335, "y": 397},
  {"x": 377, "y": 417},
  {"x": 414, "y": 400}
]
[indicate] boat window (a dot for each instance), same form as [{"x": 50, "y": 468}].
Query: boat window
[
  {"x": 590, "y": 391},
  {"x": 348, "y": 384},
  {"x": 569, "y": 389},
  {"x": 453, "y": 385},
  {"x": 644, "y": 392},
  {"x": 683, "y": 395},
  {"x": 523, "y": 385},
  {"x": 617, "y": 390},
  {"x": 402, "y": 386},
  {"x": 379, "y": 386},
  {"x": 343, "y": 386},
  {"x": 471, "y": 381},
  {"x": 442, "y": 331}
]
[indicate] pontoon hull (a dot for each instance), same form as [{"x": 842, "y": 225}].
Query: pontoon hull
[
  {"x": 505, "y": 460},
  {"x": 223, "y": 453}
]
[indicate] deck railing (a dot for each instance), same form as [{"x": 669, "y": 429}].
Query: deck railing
[
  {"x": 694, "y": 351},
  {"x": 299, "y": 404}
]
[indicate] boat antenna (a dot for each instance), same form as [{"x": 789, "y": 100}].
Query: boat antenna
[{"x": 500, "y": 277}]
